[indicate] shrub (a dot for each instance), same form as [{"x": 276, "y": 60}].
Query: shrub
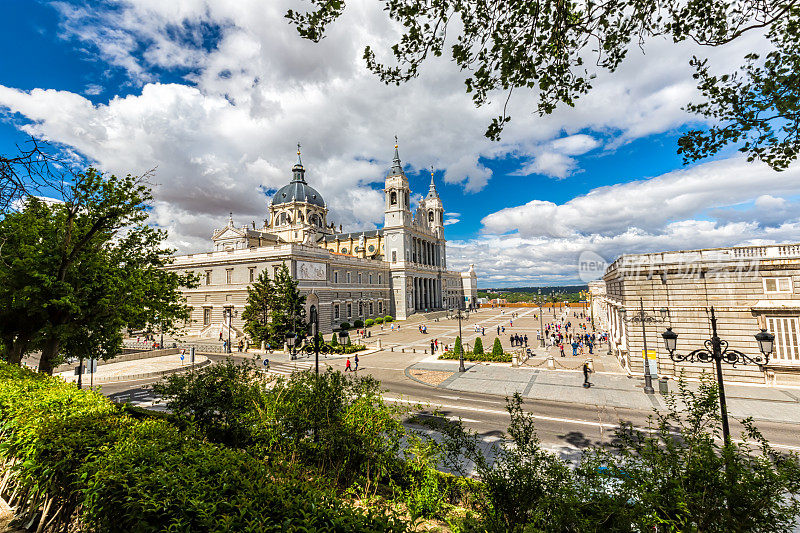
[
  {"x": 358, "y": 324},
  {"x": 369, "y": 322},
  {"x": 388, "y": 318},
  {"x": 497, "y": 347},
  {"x": 478, "y": 348},
  {"x": 458, "y": 348},
  {"x": 344, "y": 326},
  {"x": 379, "y": 320},
  {"x": 472, "y": 356},
  {"x": 334, "y": 340}
]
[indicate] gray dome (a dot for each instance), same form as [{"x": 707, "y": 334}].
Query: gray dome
[{"x": 298, "y": 191}]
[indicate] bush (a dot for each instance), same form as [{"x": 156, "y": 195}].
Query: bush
[
  {"x": 457, "y": 347},
  {"x": 472, "y": 356},
  {"x": 334, "y": 340},
  {"x": 388, "y": 318},
  {"x": 478, "y": 348},
  {"x": 358, "y": 324},
  {"x": 379, "y": 320},
  {"x": 344, "y": 326},
  {"x": 497, "y": 348},
  {"x": 111, "y": 472},
  {"x": 368, "y": 322}
]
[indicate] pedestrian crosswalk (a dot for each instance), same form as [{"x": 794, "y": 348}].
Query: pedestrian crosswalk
[{"x": 288, "y": 368}]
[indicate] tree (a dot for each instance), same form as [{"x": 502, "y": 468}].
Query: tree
[
  {"x": 256, "y": 311},
  {"x": 334, "y": 341},
  {"x": 478, "y": 348},
  {"x": 497, "y": 347},
  {"x": 457, "y": 347},
  {"x": 29, "y": 171},
  {"x": 87, "y": 268},
  {"x": 541, "y": 46}
]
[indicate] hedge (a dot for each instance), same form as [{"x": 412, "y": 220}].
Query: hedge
[
  {"x": 369, "y": 322},
  {"x": 80, "y": 457},
  {"x": 470, "y": 356},
  {"x": 388, "y": 318},
  {"x": 358, "y": 324}
]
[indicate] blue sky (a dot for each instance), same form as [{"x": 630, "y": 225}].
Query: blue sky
[{"x": 215, "y": 94}]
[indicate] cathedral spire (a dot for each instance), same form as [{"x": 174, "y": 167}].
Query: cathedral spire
[
  {"x": 298, "y": 172},
  {"x": 432, "y": 189},
  {"x": 397, "y": 167}
]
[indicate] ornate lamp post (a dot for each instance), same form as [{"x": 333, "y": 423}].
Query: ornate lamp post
[
  {"x": 229, "y": 312},
  {"x": 314, "y": 320},
  {"x": 717, "y": 351},
  {"x": 343, "y": 336},
  {"x": 643, "y": 317}
]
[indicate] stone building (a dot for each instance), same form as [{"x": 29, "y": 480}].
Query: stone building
[
  {"x": 398, "y": 270},
  {"x": 750, "y": 288}
]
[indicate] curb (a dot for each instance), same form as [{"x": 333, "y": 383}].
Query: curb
[{"x": 131, "y": 377}]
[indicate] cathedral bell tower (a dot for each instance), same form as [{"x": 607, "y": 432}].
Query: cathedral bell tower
[
  {"x": 398, "y": 196},
  {"x": 435, "y": 210}
]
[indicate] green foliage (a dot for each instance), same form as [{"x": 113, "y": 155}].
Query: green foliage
[
  {"x": 358, "y": 324},
  {"x": 257, "y": 309},
  {"x": 220, "y": 400},
  {"x": 477, "y": 349},
  {"x": 497, "y": 348},
  {"x": 379, "y": 320},
  {"x": 682, "y": 478},
  {"x": 540, "y": 46},
  {"x": 344, "y": 326},
  {"x": 457, "y": 347},
  {"x": 76, "y": 273},
  {"x": 275, "y": 308},
  {"x": 114, "y": 473},
  {"x": 472, "y": 356},
  {"x": 388, "y": 318},
  {"x": 334, "y": 340},
  {"x": 369, "y": 322}
]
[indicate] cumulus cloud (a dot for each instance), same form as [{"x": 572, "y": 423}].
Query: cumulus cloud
[{"x": 223, "y": 139}]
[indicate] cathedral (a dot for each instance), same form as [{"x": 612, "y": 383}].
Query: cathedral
[{"x": 398, "y": 270}]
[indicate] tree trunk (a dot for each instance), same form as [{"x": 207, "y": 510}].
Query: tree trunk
[
  {"x": 18, "y": 349},
  {"x": 49, "y": 355}
]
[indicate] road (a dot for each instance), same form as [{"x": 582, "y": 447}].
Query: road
[{"x": 562, "y": 426}]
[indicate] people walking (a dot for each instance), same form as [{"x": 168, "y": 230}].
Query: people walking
[
  {"x": 586, "y": 372},
  {"x": 347, "y": 366},
  {"x": 355, "y": 359}
]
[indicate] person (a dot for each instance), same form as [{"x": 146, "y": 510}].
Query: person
[
  {"x": 483, "y": 331},
  {"x": 347, "y": 366},
  {"x": 574, "y": 348},
  {"x": 392, "y": 327},
  {"x": 503, "y": 329},
  {"x": 561, "y": 347},
  {"x": 241, "y": 344},
  {"x": 224, "y": 346},
  {"x": 498, "y": 330},
  {"x": 355, "y": 359},
  {"x": 220, "y": 334},
  {"x": 586, "y": 372},
  {"x": 433, "y": 347},
  {"x": 525, "y": 340}
]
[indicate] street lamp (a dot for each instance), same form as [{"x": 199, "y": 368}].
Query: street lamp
[
  {"x": 343, "y": 336},
  {"x": 459, "y": 315},
  {"x": 643, "y": 317},
  {"x": 290, "y": 343},
  {"x": 716, "y": 350},
  {"x": 230, "y": 322},
  {"x": 314, "y": 319}
]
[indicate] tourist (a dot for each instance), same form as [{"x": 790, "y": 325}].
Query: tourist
[
  {"x": 356, "y": 361},
  {"x": 433, "y": 347},
  {"x": 347, "y": 366},
  {"x": 561, "y": 347},
  {"x": 586, "y": 372},
  {"x": 241, "y": 344}
]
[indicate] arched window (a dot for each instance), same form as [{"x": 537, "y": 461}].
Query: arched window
[
  {"x": 393, "y": 198},
  {"x": 281, "y": 219},
  {"x": 430, "y": 216},
  {"x": 315, "y": 220}
]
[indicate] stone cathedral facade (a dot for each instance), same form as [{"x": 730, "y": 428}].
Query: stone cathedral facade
[{"x": 398, "y": 270}]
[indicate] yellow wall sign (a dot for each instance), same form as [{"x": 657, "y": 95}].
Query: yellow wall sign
[{"x": 651, "y": 354}]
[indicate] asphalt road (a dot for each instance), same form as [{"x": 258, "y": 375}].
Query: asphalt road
[{"x": 562, "y": 426}]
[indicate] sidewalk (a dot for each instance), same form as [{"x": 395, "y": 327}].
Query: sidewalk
[{"x": 607, "y": 390}]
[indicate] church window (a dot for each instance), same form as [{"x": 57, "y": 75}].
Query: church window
[
  {"x": 360, "y": 309},
  {"x": 336, "y": 312},
  {"x": 228, "y": 275},
  {"x": 380, "y": 307},
  {"x": 394, "y": 256},
  {"x": 208, "y": 277},
  {"x": 370, "y": 279},
  {"x": 393, "y": 198},
  {"x": 371, "y": 248},
  {"x": 336, "y": 276},
  {"x": 206, "y": 316},
  {"x": 379, "y": 279},
  {"x": 252, "y": 274},
  {"x": 359, "y": 280},
  {"x": 349, "y": 310},
  {"x": 348, "y": 279},
  {"x": 344, "y": 250},
  {"x": 370, "y": 309},
  {"x": 430, "y": 216}
]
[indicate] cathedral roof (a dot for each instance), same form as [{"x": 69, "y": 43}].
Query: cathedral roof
[{"x": 298, "y": 190}]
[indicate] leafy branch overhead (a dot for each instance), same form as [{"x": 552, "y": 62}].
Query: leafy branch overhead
[{"x": 543, "y": 46}]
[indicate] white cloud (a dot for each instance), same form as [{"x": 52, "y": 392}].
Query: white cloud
[
  {"x": 253, "y": 88},
  {"x": 450, "y": 221}
]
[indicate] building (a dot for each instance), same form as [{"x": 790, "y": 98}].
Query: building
[
  {"x": 398, "y": 270},
  {"x": 749, "y": 287}
]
